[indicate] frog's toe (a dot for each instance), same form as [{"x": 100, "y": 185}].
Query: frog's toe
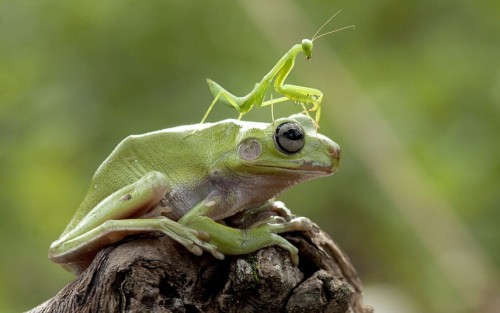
[
  {"x": 296, "y": 224},
  {"x": 279, "y": 208},
  {"x": 218, "y": 255},
  {"x": 212, "y": 249},
  {"x": 195, "y": 249},
  {"x": 276, "y": 220},
  {"x": 202, "y": 235},
  {"x": 294, "y": 257},
  {"x": 301, "y": 224},
  {"x": 292, "y": 250}
]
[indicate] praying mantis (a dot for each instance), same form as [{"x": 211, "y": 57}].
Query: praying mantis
[{"x": 278, "y": 74}]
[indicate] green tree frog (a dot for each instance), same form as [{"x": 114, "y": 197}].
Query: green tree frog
[{"x": 186, "y": 181}]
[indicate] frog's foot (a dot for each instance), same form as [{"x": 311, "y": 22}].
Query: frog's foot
[
  {"x": 195, "y": 241},
  {"x": 295, "y": 224},
  {"x": 111, "y": 231},
  {"x": 277, "y": 225}
]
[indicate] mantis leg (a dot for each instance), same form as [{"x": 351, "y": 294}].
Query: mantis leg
[
  {"x": 239, "y": 103},
  {"x": 282, "y": 99},
  {"x": 297, "y": 93},
  {"x": 304, "y": 95}
]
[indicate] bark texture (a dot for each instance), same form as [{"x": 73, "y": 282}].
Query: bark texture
[{"x": 155, "y": 274}]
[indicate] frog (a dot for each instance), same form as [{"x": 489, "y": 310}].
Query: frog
[{"x": 185, "y": 182}]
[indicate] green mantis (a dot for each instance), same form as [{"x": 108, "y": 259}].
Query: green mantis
[{"x": 278, "y": 74}]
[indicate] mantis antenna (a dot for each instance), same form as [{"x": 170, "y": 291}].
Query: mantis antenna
[{"x": 316, "y": 36}]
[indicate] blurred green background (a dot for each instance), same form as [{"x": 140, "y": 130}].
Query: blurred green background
[{"x": 412, "y": 95}]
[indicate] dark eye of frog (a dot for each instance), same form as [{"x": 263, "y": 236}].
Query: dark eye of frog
[{"x": 289, "y": 138}]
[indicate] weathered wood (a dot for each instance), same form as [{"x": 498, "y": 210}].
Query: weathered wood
[{"x": 155, "y": 274}]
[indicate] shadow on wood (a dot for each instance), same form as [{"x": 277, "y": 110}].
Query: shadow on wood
[{"x": 155, "y": 274}]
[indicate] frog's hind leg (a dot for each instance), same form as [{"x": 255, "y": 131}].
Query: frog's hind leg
[{"x": 110, "y": 221}]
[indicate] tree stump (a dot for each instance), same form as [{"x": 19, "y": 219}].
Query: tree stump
[{"x": 152, "y": 273}]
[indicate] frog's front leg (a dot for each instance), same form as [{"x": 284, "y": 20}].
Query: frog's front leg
[
  {"x": 120, "y": 215},
  {"x": 234, "y": 241}
]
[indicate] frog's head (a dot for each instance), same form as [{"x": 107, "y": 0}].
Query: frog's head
[{"x": 288, "y": 147}]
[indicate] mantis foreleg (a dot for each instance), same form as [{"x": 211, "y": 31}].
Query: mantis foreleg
[{"x": 300, "y": 94}]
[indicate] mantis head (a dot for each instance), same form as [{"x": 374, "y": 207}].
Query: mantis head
[{"x": 307, "y": 47}]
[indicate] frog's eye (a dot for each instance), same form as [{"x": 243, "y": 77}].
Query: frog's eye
[{"x": 289, "y": 138}]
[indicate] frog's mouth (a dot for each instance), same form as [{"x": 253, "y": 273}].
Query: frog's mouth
[{"x": 306, "y": 169}]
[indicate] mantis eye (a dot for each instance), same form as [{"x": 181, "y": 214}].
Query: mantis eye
[{"x": 289, "y": 138}]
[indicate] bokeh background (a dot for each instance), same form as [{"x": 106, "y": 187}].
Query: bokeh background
[{"x": 412, "y": 95}]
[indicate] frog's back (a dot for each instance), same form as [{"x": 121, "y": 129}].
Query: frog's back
[{"x": 180, "y": 153}]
